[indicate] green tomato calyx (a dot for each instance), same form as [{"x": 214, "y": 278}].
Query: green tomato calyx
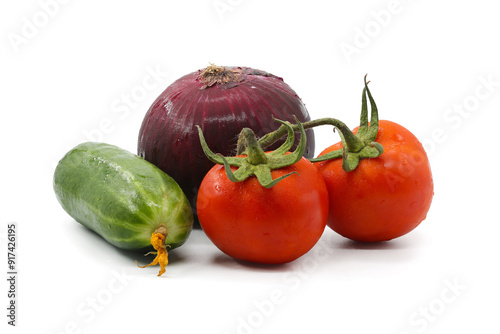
[
  {"x": 255, "y": 161},
  {"x": 361, "y": 145}
]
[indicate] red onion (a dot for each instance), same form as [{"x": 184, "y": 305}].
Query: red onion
[{"x": 222, "y": 100}]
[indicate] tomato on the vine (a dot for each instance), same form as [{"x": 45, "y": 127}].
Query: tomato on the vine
[
  {"x": 382, "y": 188},
  {"x": 253, "y": 223},
  {"x": 384, "y": 197},
  {"x": 272, "y": 209}
]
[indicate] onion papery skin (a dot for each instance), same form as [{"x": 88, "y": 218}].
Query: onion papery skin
[{"x": 169, "y": 139}]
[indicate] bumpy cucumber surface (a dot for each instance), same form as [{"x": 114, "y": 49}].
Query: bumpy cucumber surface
[{"x": 121, "y": 196}]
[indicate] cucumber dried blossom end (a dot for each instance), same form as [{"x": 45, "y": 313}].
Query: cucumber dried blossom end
[{"x": 158, "y": 243}]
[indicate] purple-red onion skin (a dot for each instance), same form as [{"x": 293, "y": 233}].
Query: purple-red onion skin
[{"x": 168, "y": 137}]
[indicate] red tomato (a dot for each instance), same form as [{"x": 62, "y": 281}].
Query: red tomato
[
  {"x": 252, "y": 223},
  {"x": 385, "y": 197}
]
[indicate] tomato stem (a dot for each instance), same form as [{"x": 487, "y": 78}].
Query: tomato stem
[
  {"x": 355, "y": 146},
  {"x": 248, "y": 142}
]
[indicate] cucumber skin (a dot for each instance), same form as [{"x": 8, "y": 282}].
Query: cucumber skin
[{"x": 121, "y": 196}]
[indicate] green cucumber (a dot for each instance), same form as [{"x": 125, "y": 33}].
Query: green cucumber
[{"x": 122, "y": 197}]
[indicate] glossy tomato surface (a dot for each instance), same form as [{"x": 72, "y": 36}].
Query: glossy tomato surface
[
  {"x": 385, "y": 197},
  {"x": 251, "y": 223}
]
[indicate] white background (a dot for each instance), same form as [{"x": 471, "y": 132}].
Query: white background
[{"x": 67, "y": 67}]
